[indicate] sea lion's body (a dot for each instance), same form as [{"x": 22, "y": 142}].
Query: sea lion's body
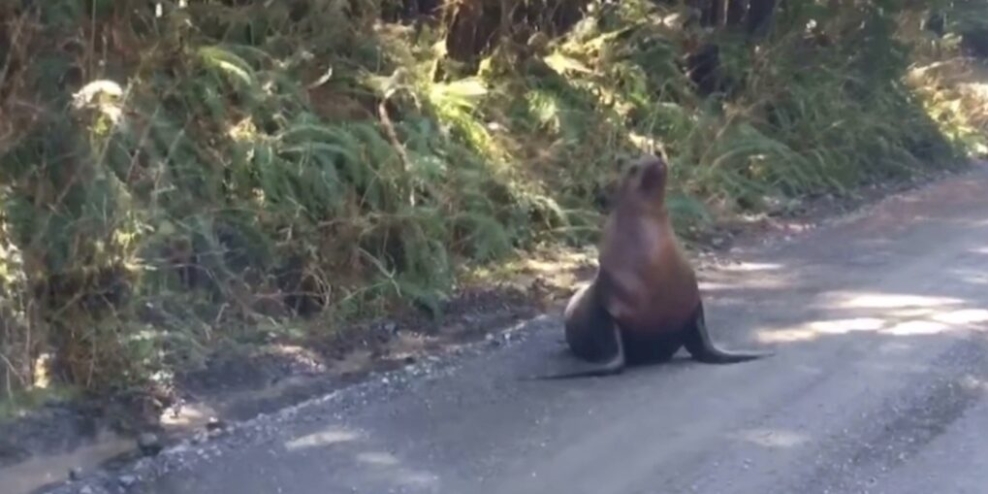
[{"x": 644, "y": 303}]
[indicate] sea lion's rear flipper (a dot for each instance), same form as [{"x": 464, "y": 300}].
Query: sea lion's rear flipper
[
  {"x": 701, "y": 347},
  {"x": 615, "y": 365}
]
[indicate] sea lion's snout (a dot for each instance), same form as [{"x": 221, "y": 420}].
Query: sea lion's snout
[{"x": 652, "y": 171}]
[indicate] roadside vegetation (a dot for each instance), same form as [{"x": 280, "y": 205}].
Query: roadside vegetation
[{"x": 180, "y": 175}]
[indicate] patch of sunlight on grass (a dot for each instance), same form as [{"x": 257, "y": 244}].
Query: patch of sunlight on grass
[
  {"x": 190, "y": 414},
  {"x": 977, "y": 89},
  {"x": 41, "y": 365},
  {"x": 558, "y": 269},
  {"x": 645, "y": 144},
  {"x": 296, "y": 352}
]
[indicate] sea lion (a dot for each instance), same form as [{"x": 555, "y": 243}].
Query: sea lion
[{"x": 644, "y": 302}]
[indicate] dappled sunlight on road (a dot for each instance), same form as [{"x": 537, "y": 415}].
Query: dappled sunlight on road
[
  {"x": 378, "y": 466},
  {"x": 762, "y": 276},
  {"x": 752, "y": 266},
  {"x": 772, "y": 438},
  {"x": 916, "y": 327},
  {"x": 963, "y": 316},
  {"x": 972, "y": 278},
  {"x": 851, "y": 300},
  {"x": 887, "y": 273},
  {"x": 887, "y": 314},
  {"x": 840, "y": 326},
  {"x": 378, "y": 458},
  {"x": 974, "y": 383},
  {"x": 322, "y": 438}
]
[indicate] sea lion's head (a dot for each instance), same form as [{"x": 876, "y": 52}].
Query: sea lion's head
[{"x": 645, "y": 180}]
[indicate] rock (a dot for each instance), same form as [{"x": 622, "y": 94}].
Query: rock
[
  {"x": 127, "y": 480},
  {"x": 215, "y": 424},
  {"x": 75, "y": 473},
  {"x": 149, "y": 444},
  {"x": 86, "y": 490},
  {"x": 492, "y": 340}
]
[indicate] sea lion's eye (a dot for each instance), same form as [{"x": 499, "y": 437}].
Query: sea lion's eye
[{"x": 633, "y": 171}]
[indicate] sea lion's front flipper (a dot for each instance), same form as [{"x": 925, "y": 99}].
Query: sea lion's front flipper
[
  {"x": 701, "y": 347},
  {"x": 615, "y": 365}
]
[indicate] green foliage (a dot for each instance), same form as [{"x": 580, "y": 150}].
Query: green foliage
[{"x": 180, "y": 170}]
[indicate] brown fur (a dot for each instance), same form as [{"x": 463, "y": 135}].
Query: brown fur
[{"x": 644, "y": 303}]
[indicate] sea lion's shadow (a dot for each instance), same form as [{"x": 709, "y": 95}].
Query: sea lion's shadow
[{"x": 560, "y": 359}]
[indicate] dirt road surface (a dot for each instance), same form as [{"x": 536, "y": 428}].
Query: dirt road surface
[{"x": 878, "y": 385}]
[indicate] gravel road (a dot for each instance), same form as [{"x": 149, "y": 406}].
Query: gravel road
[{"x": 878, "y": 385}]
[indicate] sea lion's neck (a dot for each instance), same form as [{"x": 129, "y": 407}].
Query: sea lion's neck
[{"x": 633, "y": 209}]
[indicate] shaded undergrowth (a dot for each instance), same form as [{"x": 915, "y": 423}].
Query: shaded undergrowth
[{"x": 178, "y": 177}]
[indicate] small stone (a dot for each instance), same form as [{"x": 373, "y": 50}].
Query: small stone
[
  {"x": 492, "y": 340},
  {"x": 149, "y": 444},
  {"x": 75, "y": 473},
  {"x": 214, "y": 424},
  {"x": 391, "y": 327},
  {"x": 127, "y": 480},
  {"x": 86, "y": 490}
]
